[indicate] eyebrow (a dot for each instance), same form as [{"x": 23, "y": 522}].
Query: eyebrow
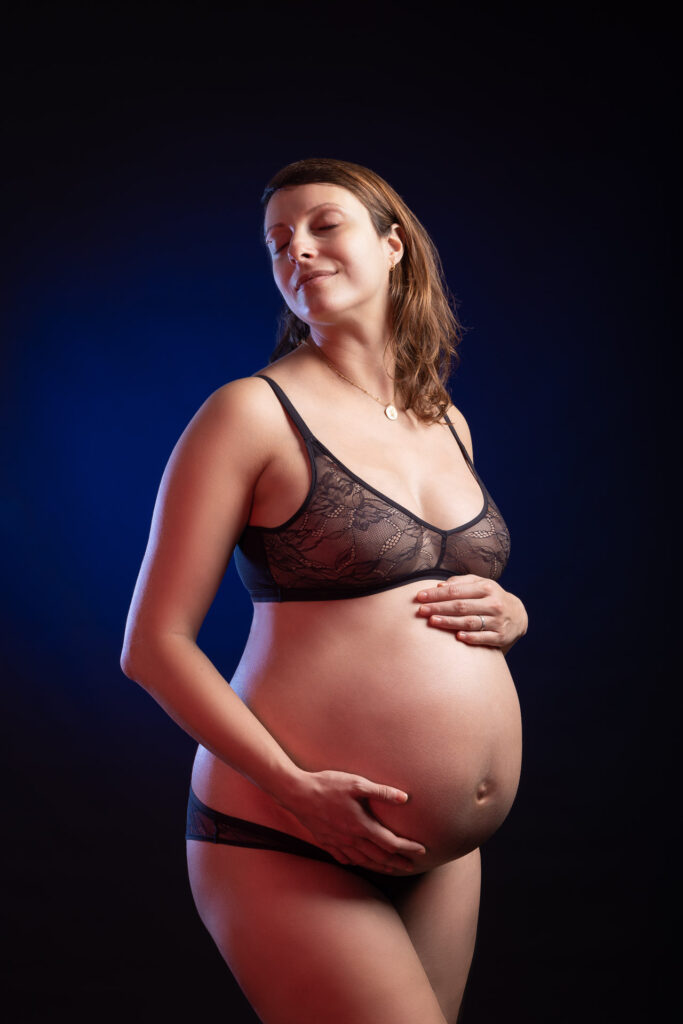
[{"x": 280, "y": 224}]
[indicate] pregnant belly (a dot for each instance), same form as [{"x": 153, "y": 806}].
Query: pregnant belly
[{"x": 410, "y": 707}]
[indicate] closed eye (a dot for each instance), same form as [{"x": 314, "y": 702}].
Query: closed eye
[{"x": 324, "y": 227}]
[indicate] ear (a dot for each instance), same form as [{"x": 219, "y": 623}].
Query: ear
[{"x": 396, "y": 242}]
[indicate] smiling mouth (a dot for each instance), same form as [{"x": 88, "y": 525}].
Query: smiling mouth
[{"x": 312, "y": 280}]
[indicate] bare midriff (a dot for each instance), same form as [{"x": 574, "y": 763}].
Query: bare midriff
[{"x": 366, "y": 686}]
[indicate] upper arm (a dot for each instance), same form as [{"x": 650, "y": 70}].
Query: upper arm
[
  {"x": 461, "y": 428},
  {"x": 201, "y": 508}
]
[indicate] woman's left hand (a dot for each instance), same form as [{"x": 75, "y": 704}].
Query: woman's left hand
[{"x": 476, "y": 609}]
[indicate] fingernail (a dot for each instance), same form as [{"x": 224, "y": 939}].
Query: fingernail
[
  {"x": 437, "y": 618},
  {"x": 426, "y": 608},
  {"x": 422, "y": 596}
]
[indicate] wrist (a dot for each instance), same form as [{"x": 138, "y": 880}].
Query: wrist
[
  {"x": 521, "y": 620},
  {"x": 286, "y": 783},
  {"x": 524, "y": 619}
]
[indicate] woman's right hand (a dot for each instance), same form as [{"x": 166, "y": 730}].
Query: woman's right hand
[{"x": 333, "y": 806}]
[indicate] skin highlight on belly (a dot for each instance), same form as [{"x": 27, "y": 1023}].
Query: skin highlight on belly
[{"x": 376, "y": 692}]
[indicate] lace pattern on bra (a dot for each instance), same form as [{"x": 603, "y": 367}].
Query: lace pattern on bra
[
  {"x": 347, "y": 535},
  {"x": 349, "y": 539}
]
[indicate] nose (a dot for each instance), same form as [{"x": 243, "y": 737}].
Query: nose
[{"x": 300, "y": 248}]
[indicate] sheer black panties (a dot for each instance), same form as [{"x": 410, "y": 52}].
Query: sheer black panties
[{"x": 208, "y": 825}]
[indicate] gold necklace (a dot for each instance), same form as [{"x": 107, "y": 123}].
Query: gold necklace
[{"x": 390, "y": 411}]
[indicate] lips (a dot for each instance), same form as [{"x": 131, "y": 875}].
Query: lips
[{"x": 312, "y": 276}]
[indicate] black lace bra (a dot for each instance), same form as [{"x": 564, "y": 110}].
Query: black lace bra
[{"x": 348, "y": 539}]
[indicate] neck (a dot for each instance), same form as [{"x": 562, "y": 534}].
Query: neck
[{"x": 367, "y": 362}]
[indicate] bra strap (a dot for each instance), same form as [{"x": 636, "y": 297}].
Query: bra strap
[
  {"x": 462, "y": 446},
  {"x": 289, "y": 408}
]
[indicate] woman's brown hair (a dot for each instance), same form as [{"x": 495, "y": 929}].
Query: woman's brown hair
[{"x": 426, "y": 329}]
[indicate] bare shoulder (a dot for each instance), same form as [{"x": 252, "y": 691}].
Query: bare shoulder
[
  {"x": 461, "y": 428},
  {"x": 243, "y": 410},
  {"x": 231, "y": 437},
  {"x": 243, "y": 399}
]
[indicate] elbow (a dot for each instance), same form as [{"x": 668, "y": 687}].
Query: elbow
[
  {"x": 131, "y": 636},
  {"x": 126, "y": 663},
  {"x": 133, "y": 651},
  {"x": 143, "y": 652},
  {"x": 133, "y": 647}
]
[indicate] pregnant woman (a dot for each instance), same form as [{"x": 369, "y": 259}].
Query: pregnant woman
[{"x": 369, "y": 740}]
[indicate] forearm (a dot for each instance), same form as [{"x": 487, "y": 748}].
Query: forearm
[{"x": 190, "y": 689}]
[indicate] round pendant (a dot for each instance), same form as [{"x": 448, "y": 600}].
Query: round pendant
[{"x": 391, "y": 413}]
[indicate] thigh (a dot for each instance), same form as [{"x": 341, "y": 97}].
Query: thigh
[
  {"x": 440, "y": 911},
  {"x": 309, "y": 941}
]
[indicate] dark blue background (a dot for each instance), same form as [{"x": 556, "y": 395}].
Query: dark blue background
[{"x": 540, "y": 155}]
